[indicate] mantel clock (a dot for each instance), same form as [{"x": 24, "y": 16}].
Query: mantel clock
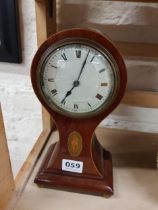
[{"x": 79, "y": 77}]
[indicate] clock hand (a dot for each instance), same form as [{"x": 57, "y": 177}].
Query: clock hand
[
  {"x": 75, "y": 84},
  {"x": 83, "y": 65},
  {"x": 67, "y": 94}
]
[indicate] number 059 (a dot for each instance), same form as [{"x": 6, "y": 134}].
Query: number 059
[{"x": 72, "y": 166}]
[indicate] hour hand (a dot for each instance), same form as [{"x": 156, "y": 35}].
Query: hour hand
[
  {"x": 67, "y": 94},
  {"x": 75, "y": 84}
]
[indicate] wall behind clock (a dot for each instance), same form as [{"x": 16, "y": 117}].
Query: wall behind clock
[{"x": 21, "y": 109}]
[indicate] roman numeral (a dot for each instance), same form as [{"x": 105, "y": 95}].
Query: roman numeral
[
  {"x": 102, "y": 70},
  {"x": 78, "y": 53},
  {"x": 64, "y": 56},
  {"x": 92, "y": 58},
  {"x": 75, "y": 106},
  {"x": 104, "y": 84},
  {"x": 54, "y": 66},
  {"x": 98, "y": 96},
  {"x": 50, "y": 79},
  {"x": 89, "y": 105},
  {"x": 54, "y": 92}
]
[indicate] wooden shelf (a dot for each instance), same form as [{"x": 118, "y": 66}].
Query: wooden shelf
[
  {"x": 138, "y": 49},
  {"x": 144, "y": 99}
]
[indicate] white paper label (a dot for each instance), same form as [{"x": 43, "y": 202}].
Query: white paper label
[{"x": 72, "y": 166}]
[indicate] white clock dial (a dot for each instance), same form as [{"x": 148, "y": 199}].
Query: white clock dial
[{"x": 77, "y": 79}]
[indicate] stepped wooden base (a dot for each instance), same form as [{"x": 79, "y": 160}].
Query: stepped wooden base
[{"x": 77, "y": 182}]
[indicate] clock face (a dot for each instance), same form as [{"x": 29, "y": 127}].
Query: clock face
[{"x": 77, "y": 79}]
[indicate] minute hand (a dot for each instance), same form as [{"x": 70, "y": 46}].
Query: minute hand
[{"x": 83, "y": 66}]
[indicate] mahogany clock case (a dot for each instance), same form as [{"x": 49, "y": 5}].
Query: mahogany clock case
[{"x": 97, "y": 170}]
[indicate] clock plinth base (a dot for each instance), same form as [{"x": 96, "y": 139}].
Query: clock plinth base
[{"x": 77, "y": 182}]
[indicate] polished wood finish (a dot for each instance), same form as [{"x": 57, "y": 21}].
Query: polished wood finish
[
  {"x": 97, "y": 169},
  {"x": 88, "y": 182}
]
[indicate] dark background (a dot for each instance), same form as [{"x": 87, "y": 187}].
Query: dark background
[{"x": 9, "y": 32}]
